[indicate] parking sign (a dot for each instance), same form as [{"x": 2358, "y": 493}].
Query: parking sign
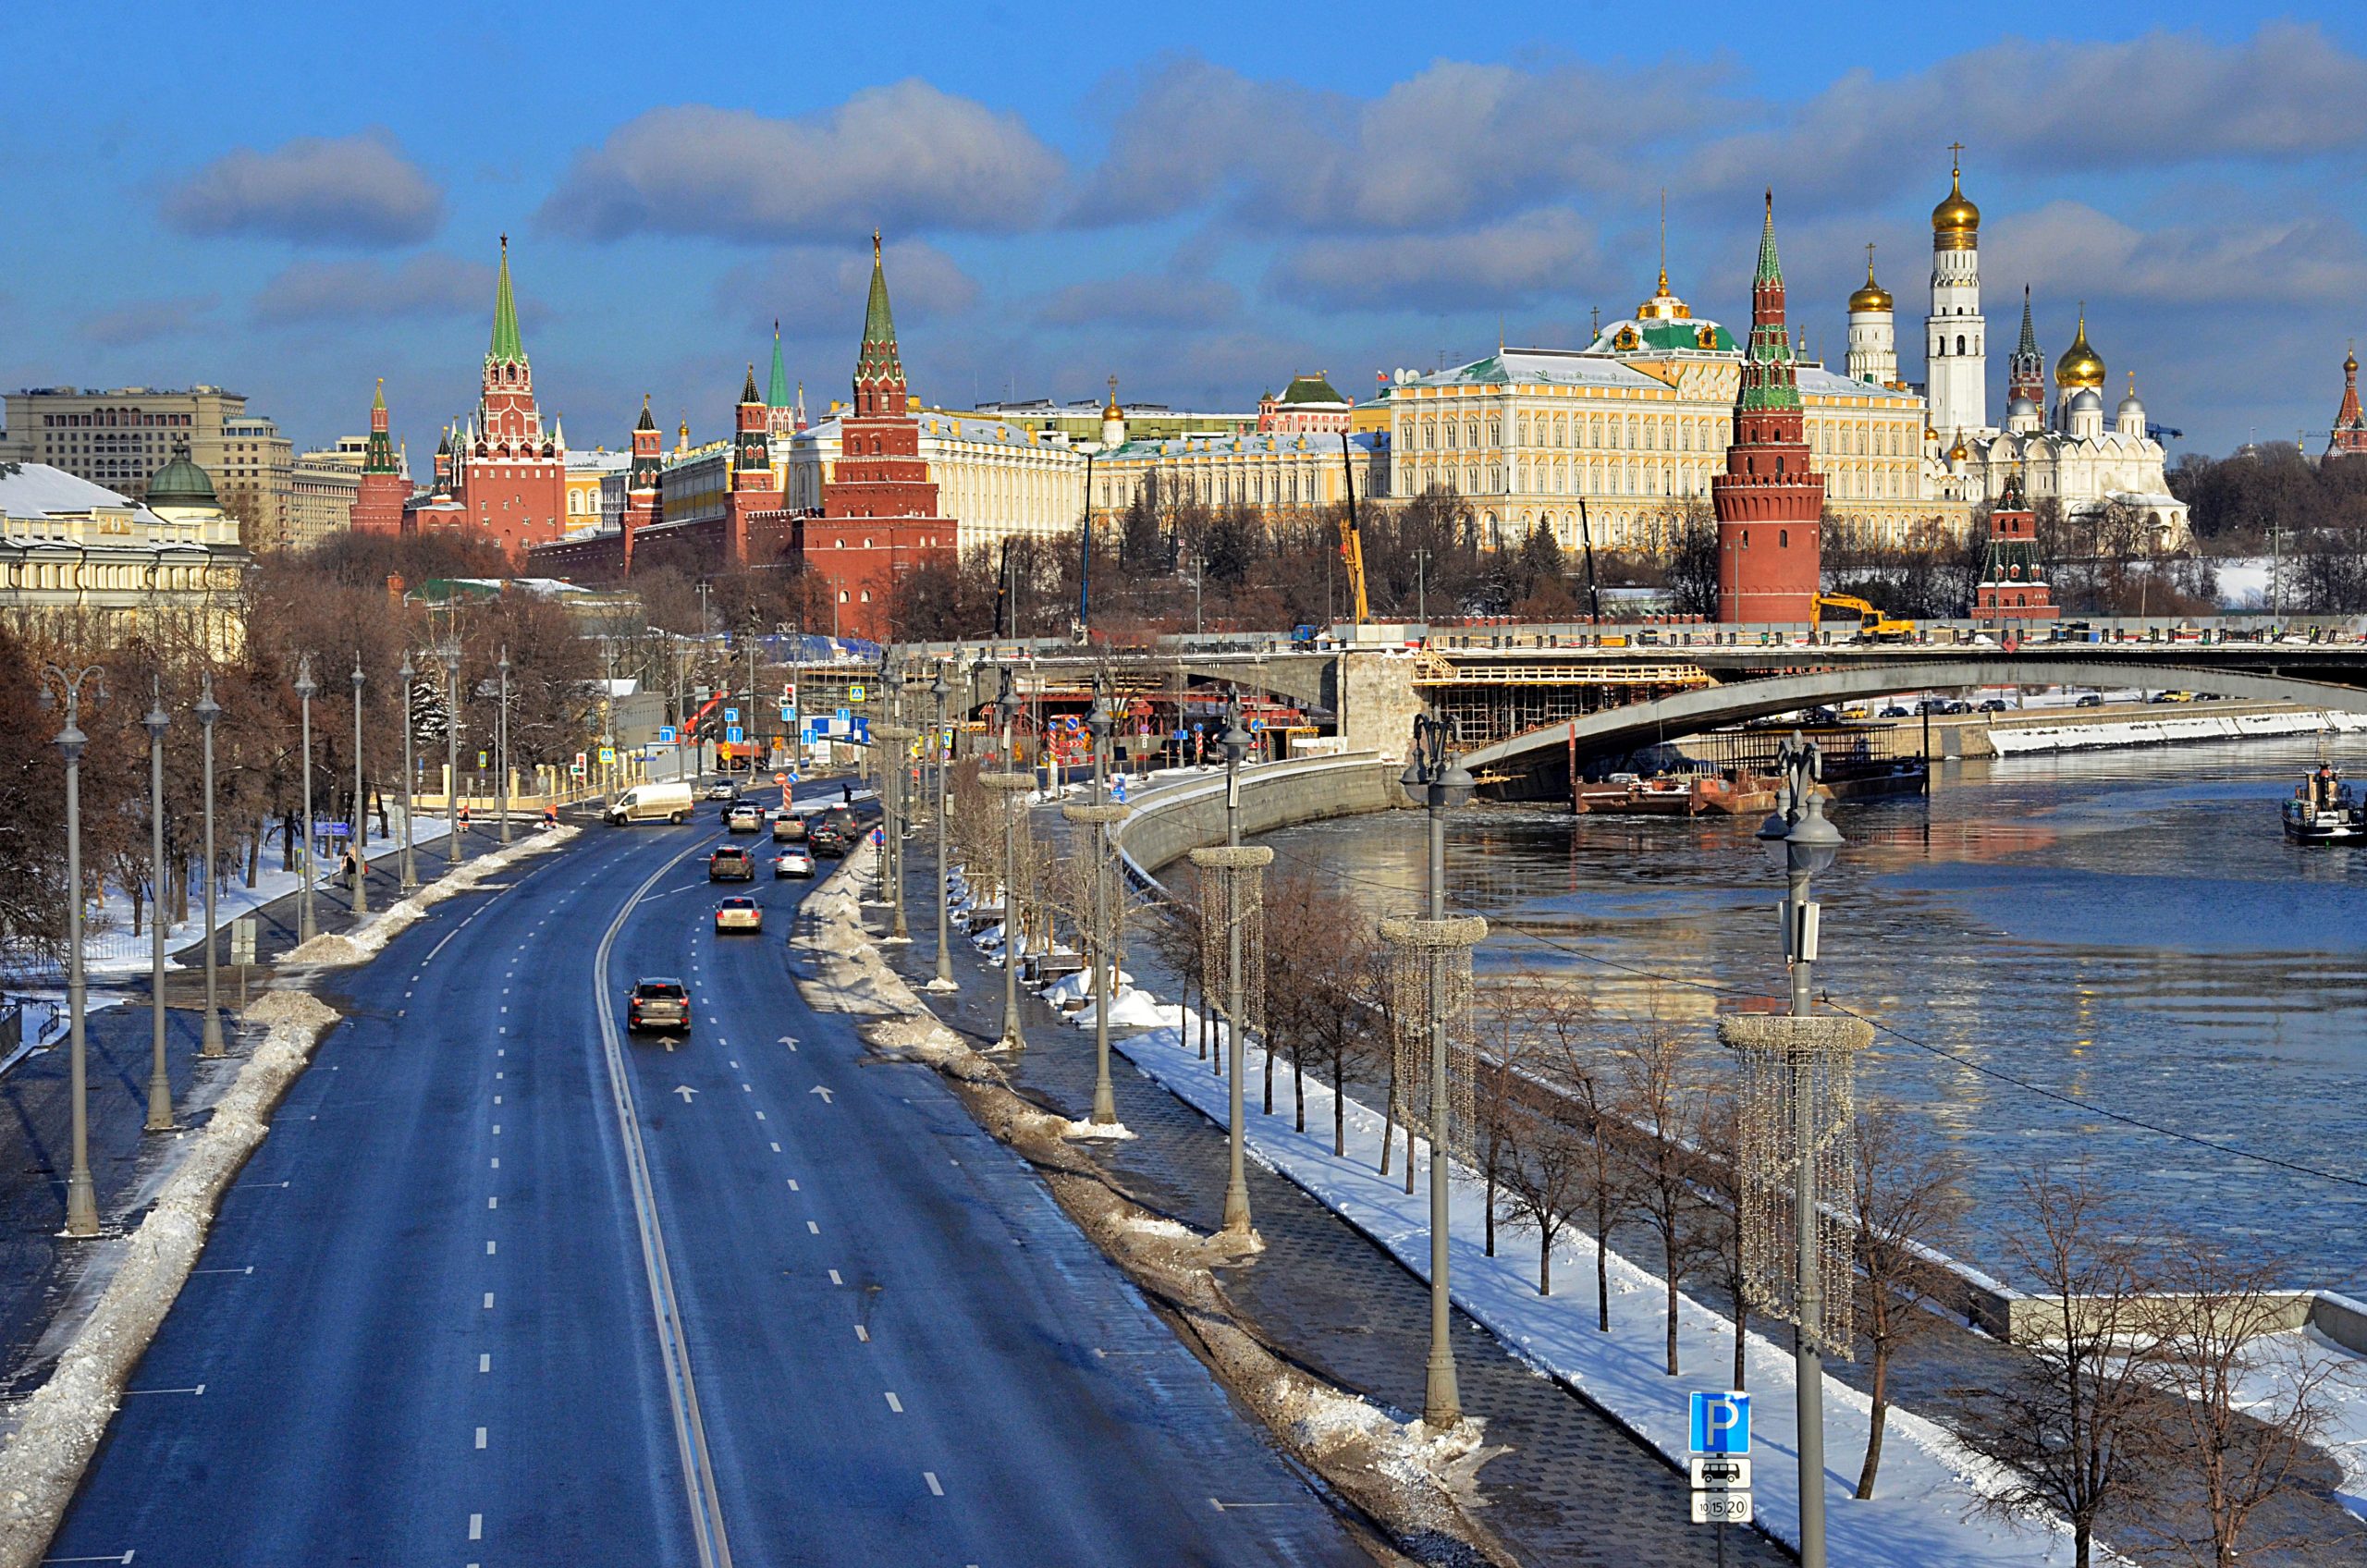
[{"x": 1721, "y": 1423}]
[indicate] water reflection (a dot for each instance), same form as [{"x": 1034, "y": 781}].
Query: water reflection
[{"x": 2128, "y": 928}]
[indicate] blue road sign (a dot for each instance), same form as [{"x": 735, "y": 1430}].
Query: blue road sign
[
  {"x": 1118, "y": 790},
  {"x": 665, "y": 734},
  {"x": 732, "y": 716},
  {"x": 1721, "y": 1423},
  {"x": 735, "y": 735}
]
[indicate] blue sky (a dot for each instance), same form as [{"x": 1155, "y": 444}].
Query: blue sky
[{"x": 1202, "y": 201}]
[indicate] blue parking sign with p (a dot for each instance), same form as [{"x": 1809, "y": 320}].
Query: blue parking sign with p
[{"x": 1721, "y": 1423}]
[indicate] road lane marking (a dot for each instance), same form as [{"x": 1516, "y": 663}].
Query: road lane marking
[
  {"x": 199, "y": 1389},
  {"x": 480, "y": 1437},
  {"x": 488, "y": 1249},
  {"x": 248, "y": 1269},
  {"x": 834, "y": 1277},
  {"x": 934, "y": 1490},
  {"x": 497, "y": 1162},
  {"x": 760, "y": 1116},
  {"x": 488, "y": 1301},
  {"x": 496, "y": 1099},
  {"x": 497, "y": 1129},
  {"x": 476, "y": 1527},
  {"x": 485, "y": 1363},
  {"x": 863, "y": 1333},
  {"x": 492, "y": 1202},
  {"x": 776, "y": 1148},
  {"x": 439, "y": 947},
  {"x": 812, "y": 1229},
  {"x": 894, "y": 1403},
  {"x": 792, "y": 1183}
]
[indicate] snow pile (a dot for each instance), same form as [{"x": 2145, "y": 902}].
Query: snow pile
[
  {"x": 366, "y": 941},
  {"x": 1078, "y": 986},
  {"x": 1128, "y": 1009},
  {"x": 1098, "y": 1132},
  {"x": 62, "y": 1422}
]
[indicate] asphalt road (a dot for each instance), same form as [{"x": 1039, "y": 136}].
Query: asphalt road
[{"x": 505, "y": 1287}]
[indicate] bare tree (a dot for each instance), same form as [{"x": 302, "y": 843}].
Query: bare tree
[
  {"x": 1544, "y": 1178},
  {"x": 1508, "y": 1049},
  {"x": 1719, "y": 1166},
  {"x": 2244, "y": 1424},
  {"x": 1660, "y": 1089},
  {"x": 2073, "y": 1425},
  {"x": 1911, "y": 1202}
]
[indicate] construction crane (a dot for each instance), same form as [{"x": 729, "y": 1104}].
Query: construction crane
[
  {"x": 1873, "y": 626},
  {"x": 1351, "y": 539}
]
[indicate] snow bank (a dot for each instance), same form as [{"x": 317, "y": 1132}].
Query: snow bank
[
  {"x": 367, "y": 940},
  {"x": 62, "y": 1422}
]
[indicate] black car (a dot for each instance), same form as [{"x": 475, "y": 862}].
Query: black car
[
  {"x": 730, "y": 864},
  {"x": 1992, "y": 704},
  {"x": 2089, "y": 700},
  {"x": 826, "y": 839},
  {"x": 1895, "y": 711},
  {"x": 659, "y": 1003}
]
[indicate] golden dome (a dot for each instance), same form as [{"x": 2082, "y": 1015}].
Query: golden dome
[
  {"x": 2081, "y": 368},
  {"x": 1873, "y": 297},
  {"x": 1111, "y": 410},
  {"x": 1960, "y": 452},
  {"x": 1956, "y": 223}
]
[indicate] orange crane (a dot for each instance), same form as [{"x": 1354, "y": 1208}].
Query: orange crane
[{"x": 1351, "y": 539}]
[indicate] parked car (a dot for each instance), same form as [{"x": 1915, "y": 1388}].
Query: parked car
[
  {"x": 658, "y": 1002},
  {"x": 1822, "y": 715},
  {"x": 745, "y": 817},
  {"x": 2089, "y": 700},
  {"x": 1992, "y": 704},
  {"x": 652, "y": 803},
  {"x": 731, "y": 865},
  {"x": 1895, "y": 711},
  {"x": 738, "y": 914},
  {"x": 793, "y": 862},
  {"x": 1932, "y": 704},
  {"x": 826, "y": 840}
]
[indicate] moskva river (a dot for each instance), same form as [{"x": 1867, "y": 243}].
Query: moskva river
[{"x": 2128, "y": 929}]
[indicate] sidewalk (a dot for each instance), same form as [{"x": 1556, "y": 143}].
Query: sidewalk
[{"x": 1572, "y": 1489}]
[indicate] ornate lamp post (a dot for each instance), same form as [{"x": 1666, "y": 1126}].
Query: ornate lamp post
[
  {"x": 1010, "y": 784},
  {"x": 940, "y": 689},
  {"x": 81, "y": 1201},
  {"x": 160, "y": 1081},
  {"x": 409, "y": 675},
  {"x": 892, "y": 803},
  {"x": 1099, "y": 815},
  {"x": 501, "y": 744},
  {"x": 452, "y": 747},
  {"x": 1435, "y": 779},
  {"x": 361, "y": 839},
  {"x": 305, "y": 925},
  {"x": 208, "y": 711},
  {"x": 1238, "y": 870}
]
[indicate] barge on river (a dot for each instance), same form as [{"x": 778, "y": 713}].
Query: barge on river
[{"x": 2325, "y": 810}]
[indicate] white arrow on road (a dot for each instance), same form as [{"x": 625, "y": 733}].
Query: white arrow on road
[
  {"x": 789, "y": 1040},
  {"x": 685, "y": 1091},
  {"x": 818, "y": 1089}
]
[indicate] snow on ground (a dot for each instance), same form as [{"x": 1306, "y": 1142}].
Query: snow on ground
[
  {"x": 1929, "y": 1481},
  {"x": 366, "y": 941},
  {"x": 2276, "y": 1364}
]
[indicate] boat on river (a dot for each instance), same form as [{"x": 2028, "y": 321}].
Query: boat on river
[{"x": 2325, "y": 810}]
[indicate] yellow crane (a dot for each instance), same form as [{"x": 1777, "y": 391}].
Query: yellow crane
[
  {"x": 1873, "y": 625},
  {"x": 1351, "y": 539}
]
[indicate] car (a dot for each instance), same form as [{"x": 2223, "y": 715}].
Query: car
[
  {"x": 745, "y": 817},
  {"x": 826, "y": 840},
  {"x": 739, "y": 914},
  {"x": 2089, "y": 700},
  {"x": 1895, "y": 711},
  {"x": 1992, "y": 704},
  {"x": 793, "y": 861},
  {"x": 658, "y": 1002},
  {"x": 731, "y": 865},
  {"x": 1822, "y": 715},
  {"x": 723, "y": 789},
  {"x": 2173, "y": 696},
  {"x": 1932, "y": 704},
  {"x": 788, "y": 827}
]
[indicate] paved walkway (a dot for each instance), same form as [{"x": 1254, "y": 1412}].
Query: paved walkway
[{"x": 1574, "y": 1489}]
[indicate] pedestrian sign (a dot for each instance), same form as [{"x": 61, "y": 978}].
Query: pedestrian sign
[
  {"x": 607, "y": 756},
  {"x": 855, "y": 693},
  {"x": 734, "y": 735},
  {"x": 481, "y": 761},
  {"x": 1721, "y": 1423},
  {"x": 665, "y": 734}
]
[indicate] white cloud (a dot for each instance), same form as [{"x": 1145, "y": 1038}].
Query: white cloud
[
  {"x": 901, "y": 157},
  {"x": 818, "y": 291},
  {"x": 433, "y": 283},
  {"x": 1535, "y": 256},
  {"x": 2066, "y": 248},
  {"x": 357, "y": 189},
  {"x": 144, "y": 320},
  {"x": 1143, "y": 299}
]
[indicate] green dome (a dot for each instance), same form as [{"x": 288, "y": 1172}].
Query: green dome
[{"x": 181, "y": 482}]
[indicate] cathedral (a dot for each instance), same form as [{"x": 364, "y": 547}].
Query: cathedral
[{"x": 2071, "y": 453}]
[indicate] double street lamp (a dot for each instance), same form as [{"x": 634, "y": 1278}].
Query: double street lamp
[
  {"x": 208, "y": 712},
  {"x": 940, "y": 689},
  {"x": 1010, "y": 784},
  {"x": 305, "y": 925},
  {"x": 81, "y": 1202},
  {"x": 501, "y": 746},
  {"x": 359, "y": 839},
  {"x": 409, "y": 675},
  {"x": 1237, "y": 869},
  {"x": 451, "y": 655},
  {"x": 160, "y": 1081}
]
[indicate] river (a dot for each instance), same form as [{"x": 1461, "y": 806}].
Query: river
[{"x": 2127, "y": 928}]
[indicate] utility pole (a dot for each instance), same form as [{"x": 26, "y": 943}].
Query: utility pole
[
  {"x": 452, "y": 746},
  {"x": 208, "y": 710},
  {"x": 1100, "y": 814},
  {"x": 892, "y": 737},
  {"x": 160, "y": 1081},
  {"x": 81, "y": 1202},
  {"x": 1235, "y": 740},
  {"x": 305, "y": 927},
  {"x": 501, "y": 744},
  {"x": 359, "y": 838},
  {"x": 1421, "y": 586},
  {"x": 1010, "y": 784},
  {"x": 409, "y": 675},
  {"x": 940, "y": 688}
]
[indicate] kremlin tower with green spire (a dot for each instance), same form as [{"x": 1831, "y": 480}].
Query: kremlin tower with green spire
[
  {"x": 378, "y": 504},
  {"x": 510, "y": 474},
  {"x": 1768, "y": 501}
]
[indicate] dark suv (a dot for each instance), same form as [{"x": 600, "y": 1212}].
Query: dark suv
[
  {"x": 659, "y": 1003},
  {"x": 731, "y": 865},
  {"x": 827, "y": 840}
]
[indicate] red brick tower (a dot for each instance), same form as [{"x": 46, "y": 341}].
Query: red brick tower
[
  {"x": 879, "y": 510},
  {"x": 753, "y": 488},
  {"x": 640, "y": 480},
  {"x": 2349, "y": 437},
  {"x": 512, "y": 478},
  {"x": 378, "y": 506},
  {"x": 2013, "y": 579},
  {"x": 1768, "y": 501}
]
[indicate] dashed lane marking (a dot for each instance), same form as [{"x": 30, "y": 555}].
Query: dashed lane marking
[
  {"x": 488, "y": 1249},
  {"x": 480, "y": 1437},
  {"x": 792, "y": 1183},
  {"x": 893, "y": 1403},
  {"x": 484, "y": 1364},
  {"x": 934, "y": 1490},
  {"x": 863, "y": 1333},
  {"x": 776, "y": 1148},
  {"x": 492, "y": 1202},
  {"x": 834, "y": 1277},
  {"x": 488, "y": 1301},
  {"x": 476, "y": 1527},
  {"x": 812, "y": 1229}
]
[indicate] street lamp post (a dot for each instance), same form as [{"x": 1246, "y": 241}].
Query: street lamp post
[
  {"x": 410, "y": 867},
  {"x": 1437, "y": 781},
  {"x": 1105, "y": 969},
  {"x": 160, "y": 1081},
  {"x": 305, "y": 925},
  {"x": 1235, "y": 740},
  {"x": 1010, "y": 783},
  {"x": 360, "y": 836},
  {"x": 81, "y": 1201},
  {"x": 893, "y": 804},
  {"x": 940, "y": 689},
  {"x": 452, "y": 747},
  {"x": 501, "y": 744},
  {"x": 208, "y": 711}
]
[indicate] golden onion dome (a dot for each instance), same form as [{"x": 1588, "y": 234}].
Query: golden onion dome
[
  {"x": 1955, "y": 222},
  {"x": 1959, "y": 452},
  {"x": 2081, "y": 368},
  {"x": 1873, "y": 297}
]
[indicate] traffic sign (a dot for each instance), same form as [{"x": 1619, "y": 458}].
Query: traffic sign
[
  {"x": 481, "y": 761},
  {"x": 732, "y": 716},
  {"x": 1721, "y": 1508},
  {"x": 243, "y": 940},
  {"x": 607, "y": 756},
  {"x": 1721, "y": 1423},
  {"x": 1256, "y": 725},
  {"x": 1721, "y": 1473},
  {"x": 855, "y": 693},
  {"x": 1073, "y": 724},
  {"x": 1118, "y": 790},
  {"x": 788, "y": 716},
  {"x": 665, "y": 734},
  {"x": 734, "y": 735}
]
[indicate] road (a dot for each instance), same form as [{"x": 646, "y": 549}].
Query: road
[{"x": 430, "y": 1324}]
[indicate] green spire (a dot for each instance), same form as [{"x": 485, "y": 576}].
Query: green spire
[
  {"x": 878, "y": 364},
  {"x": 378, "y": 398},
  {"x": 879, "y": 325},
  {"x": 507, "y": 343},
  {"x": 1769, "y": 269},
  {"x": 748, "y": 393},
  {"x": 777, "y": 395},
  {"x": 2028, "y": 345}
]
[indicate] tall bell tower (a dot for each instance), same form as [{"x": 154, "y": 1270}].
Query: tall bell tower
[{"x": 1956, "y": 337}]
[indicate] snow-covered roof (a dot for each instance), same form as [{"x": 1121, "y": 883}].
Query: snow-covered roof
[
  {"x": 30, "y": 492},
  {"x": 1818, "y": 382},
  {"x": 1570, "y": 367},
  {"x": 1250, "y": 444}
]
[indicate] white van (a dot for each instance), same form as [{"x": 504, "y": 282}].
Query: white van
[{"x": 651, "y": 802}]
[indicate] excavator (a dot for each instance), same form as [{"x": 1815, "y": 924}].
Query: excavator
[
  {"x": 1873, "y": 625},
  {"x": 1351, "y": 539}
]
